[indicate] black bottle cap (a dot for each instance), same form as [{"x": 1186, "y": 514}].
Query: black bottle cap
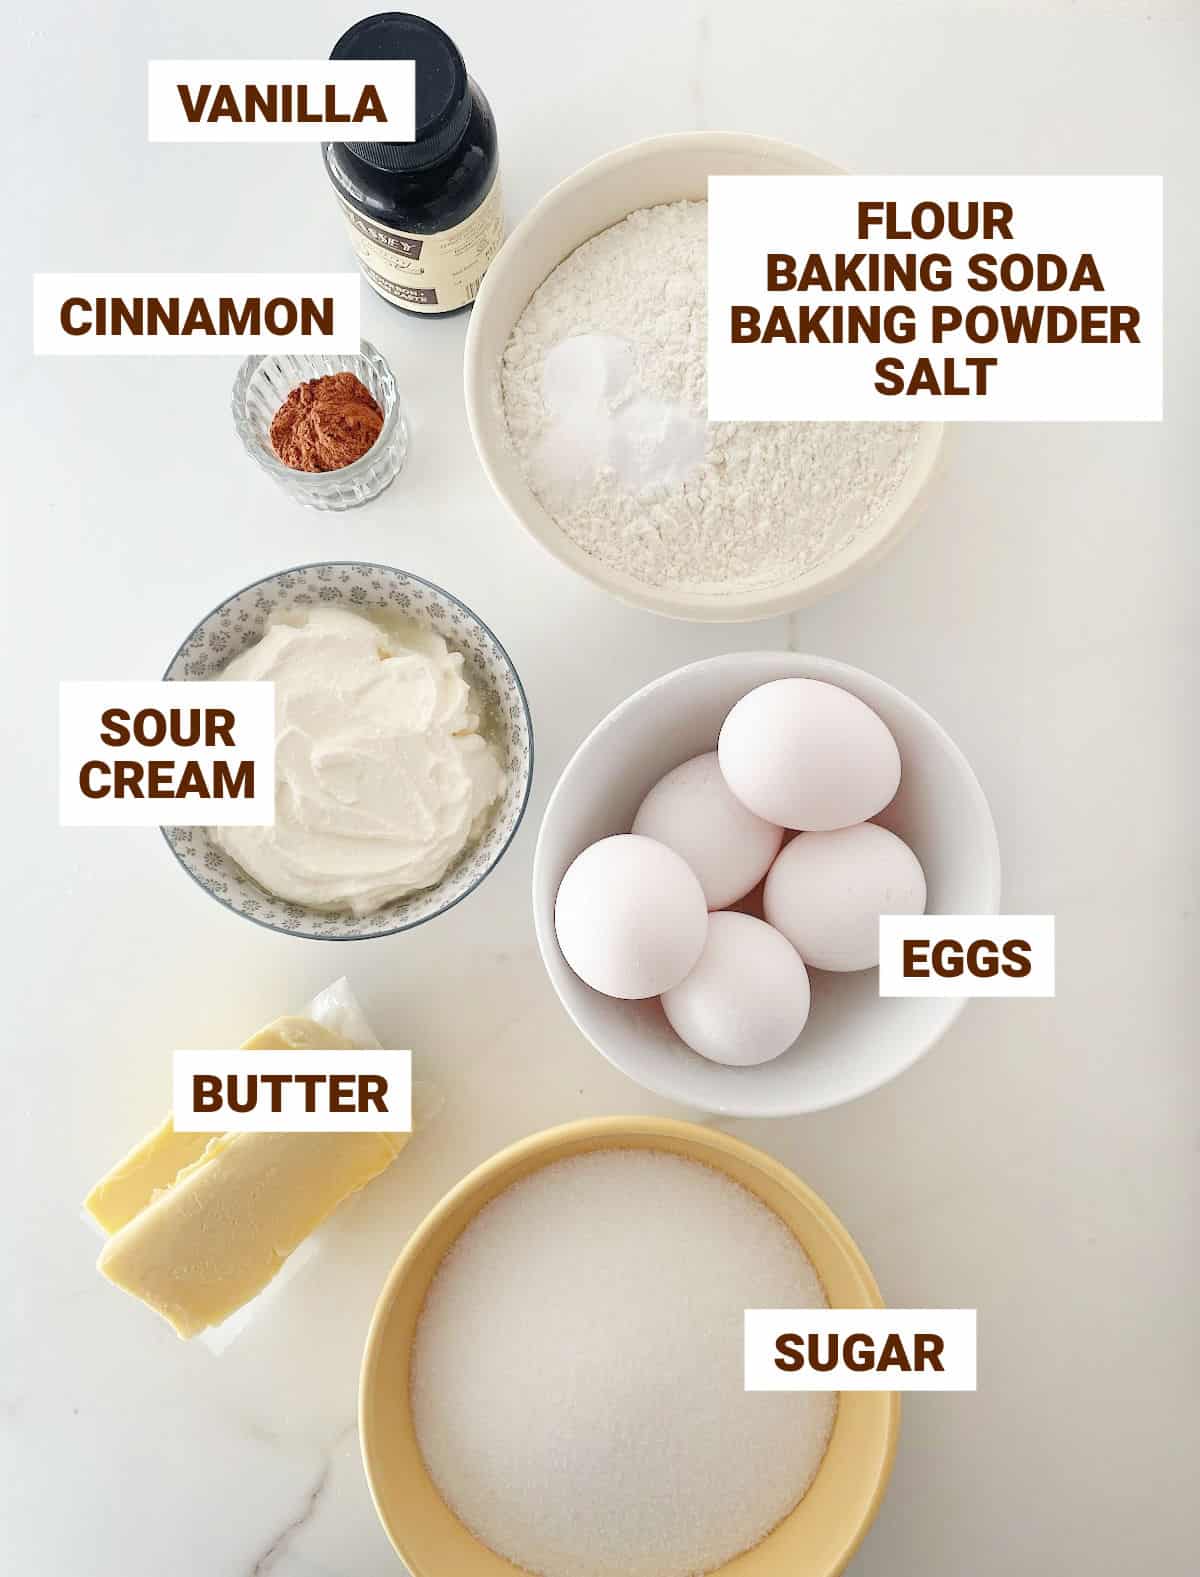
[{"x": 443, "y": 89}]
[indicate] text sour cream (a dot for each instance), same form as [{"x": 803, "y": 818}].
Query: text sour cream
[{"x": 381, "y": 775}]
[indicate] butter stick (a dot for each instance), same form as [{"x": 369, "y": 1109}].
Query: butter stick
[
  {"x": 219, "y": 1234},
  {"x": 200, "y": 1225},
  {"x": 157, "y": 1161}
]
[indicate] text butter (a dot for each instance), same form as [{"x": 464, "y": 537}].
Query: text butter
[
  {"x": 248, "y": 1092},
  {"x": 193, "y": 753}
]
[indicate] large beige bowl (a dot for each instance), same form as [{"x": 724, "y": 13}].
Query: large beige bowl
[
  {"x": 816, "y": 1539},
  {"x": 660, "y": 170}
]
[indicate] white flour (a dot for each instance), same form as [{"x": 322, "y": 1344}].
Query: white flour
[{"x": 603, "y": 382}]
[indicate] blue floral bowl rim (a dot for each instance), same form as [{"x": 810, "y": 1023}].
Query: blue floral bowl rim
[{"x": 430, "y": 585}]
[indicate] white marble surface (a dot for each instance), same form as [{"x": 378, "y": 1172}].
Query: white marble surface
[{"x": 1040, "y": 1164}]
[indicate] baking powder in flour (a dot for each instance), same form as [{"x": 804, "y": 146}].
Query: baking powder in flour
[{"x": 603, "y": 384}]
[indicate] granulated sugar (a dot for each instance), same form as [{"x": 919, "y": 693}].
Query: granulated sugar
[
  {"x": 577, "y": 1384},
  {"x": 603, "y": 383}
]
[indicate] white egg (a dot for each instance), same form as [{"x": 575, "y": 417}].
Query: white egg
[
  {"x": 630, "y": 917},
  {"x": 746, "y": 1000},
  {"x": 827, "y": 890},
  {"x": 693, "y": 811},
  {"x": 805, "y": 754}
]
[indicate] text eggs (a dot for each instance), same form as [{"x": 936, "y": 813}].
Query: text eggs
[
  {"x": 808, "y": 755},
  {"x": 630, "y": 917}
]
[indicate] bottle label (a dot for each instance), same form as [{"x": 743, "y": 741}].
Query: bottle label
[{"x": 429, "y": 273}]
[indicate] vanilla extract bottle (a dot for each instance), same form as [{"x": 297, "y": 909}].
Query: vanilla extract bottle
[{"x": 425, "y": 217}]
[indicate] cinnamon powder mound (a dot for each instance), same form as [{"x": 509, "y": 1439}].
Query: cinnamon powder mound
[{"x": 326, "y": 423}]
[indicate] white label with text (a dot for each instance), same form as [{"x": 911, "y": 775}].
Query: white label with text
[
  {"x": 280, "y": 100},
  {"x": 966, "y": 955},
  {"x": 860, "y": 1350},
  {"x": 292, "y": 1092},
  {"x": 935, "y": 298},
  {"x": 186, "y": 753},
  {"x": 193, "y": 314}
]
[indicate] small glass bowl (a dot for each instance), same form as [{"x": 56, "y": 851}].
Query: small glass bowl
[{"x": 262, "y": 385}]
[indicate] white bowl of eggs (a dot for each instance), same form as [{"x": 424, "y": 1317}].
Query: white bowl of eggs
[{"x": 711, "y": 869}]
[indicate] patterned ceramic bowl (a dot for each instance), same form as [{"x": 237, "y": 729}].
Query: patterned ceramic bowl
[{"x": 240, "y": 621}]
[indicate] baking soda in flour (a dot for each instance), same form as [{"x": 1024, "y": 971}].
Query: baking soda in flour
[
  {"x": 603, "y": 384},
  {"x": 577, "y": 1382}
]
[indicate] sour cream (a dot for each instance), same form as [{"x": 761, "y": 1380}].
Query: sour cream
[{"x": 382, "y": 777}]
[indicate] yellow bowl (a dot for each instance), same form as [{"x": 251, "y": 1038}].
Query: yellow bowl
[{"x": 817, "y": 1539}]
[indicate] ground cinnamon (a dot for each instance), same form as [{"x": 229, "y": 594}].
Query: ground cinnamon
[{"x": 326, "y": 423}]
